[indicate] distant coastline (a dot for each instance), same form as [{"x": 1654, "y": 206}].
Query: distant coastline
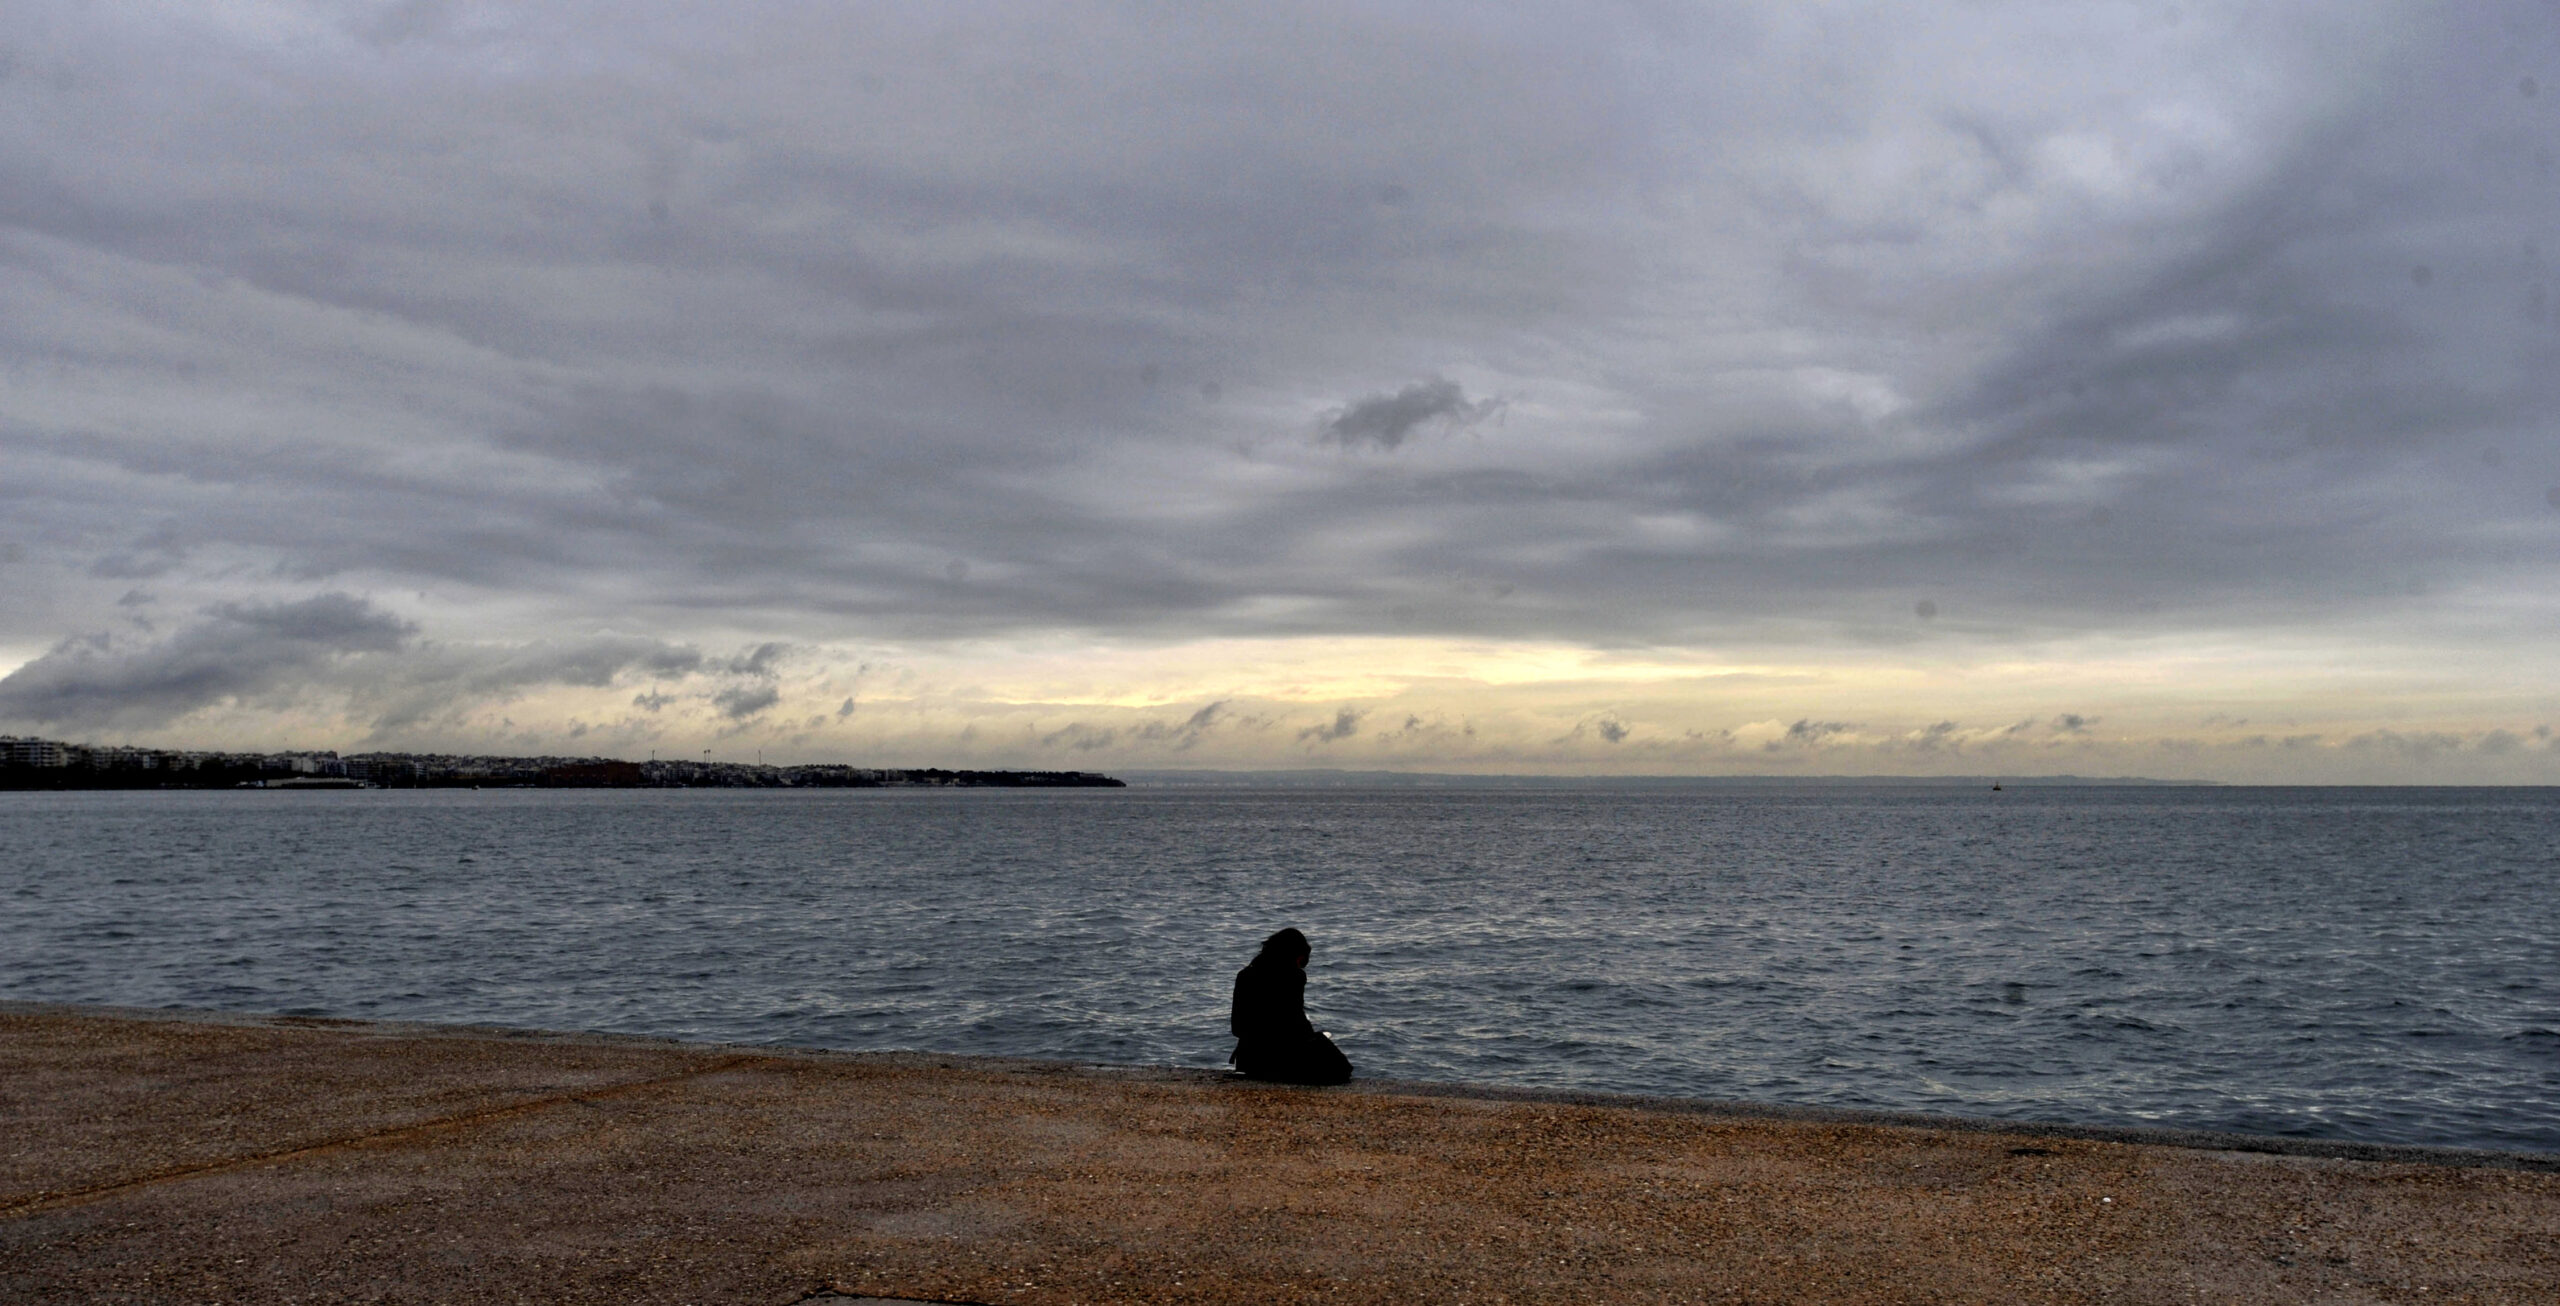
[
  {"x": 1322, "y": 779},
  {"x": 48, "y": 764},
  {"x": 43, "y": 764}
]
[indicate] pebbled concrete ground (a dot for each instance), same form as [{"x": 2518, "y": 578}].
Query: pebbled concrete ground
[{"x": 164, "y": 1157}]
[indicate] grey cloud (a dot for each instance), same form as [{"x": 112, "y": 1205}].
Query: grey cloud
[
  {"x": 438, "y": 681},
  {"x": 1385, "y": 421},
  {"x": 1809, "y": 731},
  {"x": 125, "y": 566},
  {"x": 330, "y": 647},
  {"x": 236, "y": 652},
  {"x": 743, "y": 701},
  {"x": 2072, "y": 723},
  {"x": 403, "y": 21},
  {"x": 2249, "y": 429},
  {"x": 1186, "y": 733},
  {"x": 819, "y": 308},
  {"x": 157, "y": 555},
  {"x": 1081, "y": 737},
  {"x": 1345, "y": 724},
  {"x": 2419, "y": 744},
  {"x": 2261, "y": 398},
  {"x": 756, "y": 671},
  {"x": 594, "y": 662},
  {"x": 762, "y": 660},
  {"x": 1610, "y": 729}
]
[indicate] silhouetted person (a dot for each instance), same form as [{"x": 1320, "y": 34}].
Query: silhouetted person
[{"x": 1273, "y": 1039}]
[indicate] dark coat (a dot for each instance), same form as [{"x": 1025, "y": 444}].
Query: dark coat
[
  {"x": 1271, "y": 1003},
  {"x": 1274, "y": 1039}
]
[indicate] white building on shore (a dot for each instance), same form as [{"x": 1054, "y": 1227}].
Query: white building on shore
[{"x": 16, "y": 751}]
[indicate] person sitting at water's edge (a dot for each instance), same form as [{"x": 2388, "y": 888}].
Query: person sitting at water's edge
[{"x": 1273, "y": 1037}]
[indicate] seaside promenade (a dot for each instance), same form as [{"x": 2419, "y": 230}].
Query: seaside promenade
[{"x": 159, "y": 1157}]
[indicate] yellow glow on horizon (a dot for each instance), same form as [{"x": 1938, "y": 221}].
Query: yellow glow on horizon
[
  {"x": 2198, "y": 706},
  {"x": 1322, "y": 668}
]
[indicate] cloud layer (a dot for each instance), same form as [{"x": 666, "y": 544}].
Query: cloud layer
[
  {"x": 552, "y": 347},
  {"x": 238, "y": 653}
]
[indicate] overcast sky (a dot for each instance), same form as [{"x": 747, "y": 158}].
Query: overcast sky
[{"x": 2140, "y": 388}]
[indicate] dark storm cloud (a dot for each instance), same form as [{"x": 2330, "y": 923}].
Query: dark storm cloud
[
  {"x": 1386, "y": 420},
  {"x": 954, "y": 322},
  {"x": 236, "y": 652}
]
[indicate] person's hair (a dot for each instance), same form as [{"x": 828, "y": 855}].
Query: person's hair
[{"x": 1285, "y": 945}]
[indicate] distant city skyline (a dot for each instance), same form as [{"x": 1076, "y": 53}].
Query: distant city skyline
[{"x": 1767, "y": 388}]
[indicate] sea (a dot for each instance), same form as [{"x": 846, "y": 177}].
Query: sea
[{"x": 2364, "y": 964}]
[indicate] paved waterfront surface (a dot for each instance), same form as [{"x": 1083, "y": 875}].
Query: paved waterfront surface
[{"x": 223, "y": 1159}]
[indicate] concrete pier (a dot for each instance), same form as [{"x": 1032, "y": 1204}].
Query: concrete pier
[{"x": 166, "y": 1157}]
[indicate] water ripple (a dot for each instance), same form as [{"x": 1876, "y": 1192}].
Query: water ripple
[{"x": 2329, "y": 963}]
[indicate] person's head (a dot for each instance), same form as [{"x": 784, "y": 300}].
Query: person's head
[{"x": 1287, "y": 947}]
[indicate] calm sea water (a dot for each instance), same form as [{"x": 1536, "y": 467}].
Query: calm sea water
[{"x": 2369, "y": 964}]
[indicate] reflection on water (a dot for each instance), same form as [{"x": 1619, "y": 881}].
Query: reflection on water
[{"x": 2367, "y": 964}]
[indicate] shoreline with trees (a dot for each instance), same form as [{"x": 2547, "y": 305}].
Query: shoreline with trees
[{"x": 46, "y": 764}]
